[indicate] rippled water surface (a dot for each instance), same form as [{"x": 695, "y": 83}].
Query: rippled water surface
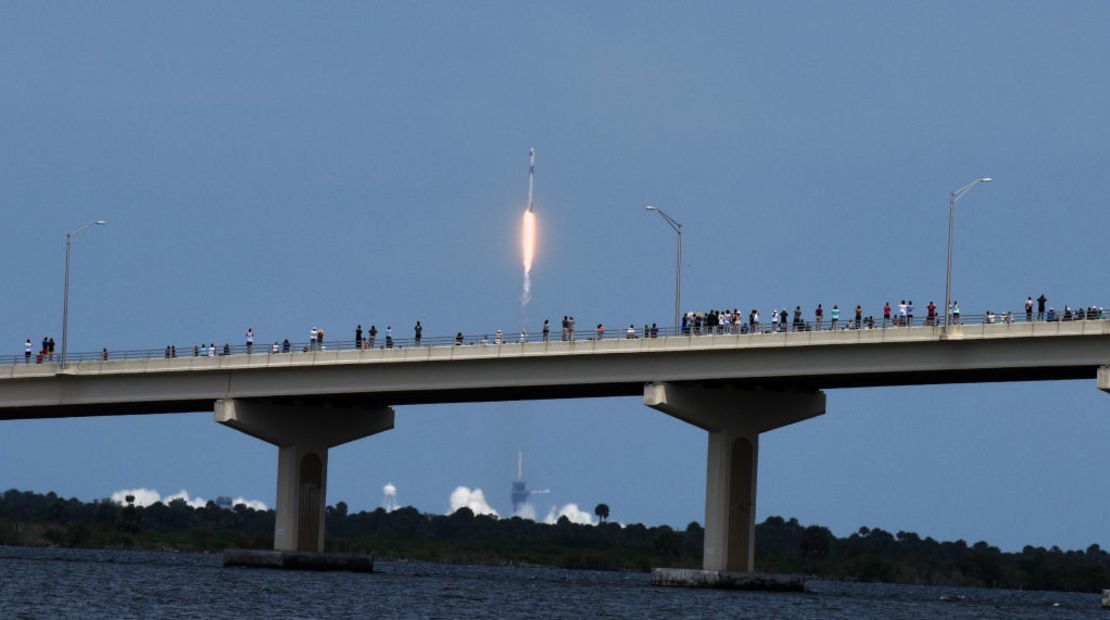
[{"x": 72, "y": 583}]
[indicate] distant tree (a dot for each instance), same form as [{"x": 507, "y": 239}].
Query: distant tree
[
  {"x": 602, "y": 512},
  {"x": 130, "y": 499},
  {"x": 816, "y": 541}
]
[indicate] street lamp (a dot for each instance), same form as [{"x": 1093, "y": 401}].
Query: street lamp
[
  {"x": 678, "y": 263},
  {"x": 65, "y": 294},
  {"x": 952, "y": 198}
]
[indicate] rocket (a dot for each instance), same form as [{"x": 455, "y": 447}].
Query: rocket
[{"x": 531, "y": 173}]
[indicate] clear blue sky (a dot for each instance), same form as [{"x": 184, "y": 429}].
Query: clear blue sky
[{"x": 288, "y": 165}]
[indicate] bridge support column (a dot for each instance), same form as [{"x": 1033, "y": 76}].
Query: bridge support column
[
  {"x": 1104, "y": 378},
  {"x": 734, "y": 419},
  {"x": 303, "y": 435}
]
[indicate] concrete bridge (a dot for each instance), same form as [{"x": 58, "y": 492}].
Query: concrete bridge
[{"x": 735, "y": 386}]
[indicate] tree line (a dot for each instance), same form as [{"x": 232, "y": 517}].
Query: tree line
[{"x": 782, "y": 545}]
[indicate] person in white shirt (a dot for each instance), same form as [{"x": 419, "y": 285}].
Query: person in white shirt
[
  {"x": 212, "y": 350},
  {"x": 498, "y": 338},
  {"x": 312, "y": 339},
  {"x": 250, "y": 340}
]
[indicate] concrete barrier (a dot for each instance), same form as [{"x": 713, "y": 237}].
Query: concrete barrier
[
  {"x": 696, "y": 578},
  {"x": 299, "y": 560}
]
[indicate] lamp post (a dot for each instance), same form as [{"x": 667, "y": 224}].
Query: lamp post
[
  {"x": 65, "y": 294},
  {"x": 678, "y": 263},
  {"x": 952, "y": 198}
]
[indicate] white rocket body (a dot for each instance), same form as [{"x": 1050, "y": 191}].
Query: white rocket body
[{"x": 531, "y": 173}]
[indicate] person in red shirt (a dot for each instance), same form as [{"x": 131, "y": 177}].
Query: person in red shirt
[
  {"x": 886, "y": 314},
  {"x": 932, "y": 310}
]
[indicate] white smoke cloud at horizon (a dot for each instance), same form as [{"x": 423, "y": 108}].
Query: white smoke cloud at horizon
[
  {"x": 572, "y": 513},
  {"x": 475, "y": 500},
  {"x": 527, "y": 511},
  {"x": 145, "y": 497}
]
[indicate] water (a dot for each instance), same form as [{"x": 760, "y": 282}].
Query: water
[{"x": 73, "y": 583}]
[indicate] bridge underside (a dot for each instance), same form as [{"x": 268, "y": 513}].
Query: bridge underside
[{"x": 548, "y": 392}]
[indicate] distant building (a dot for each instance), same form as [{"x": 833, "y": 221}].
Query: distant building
[{"x": 521, "y": 492}]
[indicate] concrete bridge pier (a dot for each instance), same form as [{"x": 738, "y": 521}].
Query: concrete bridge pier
[
  {"x": 734, "y": 418},
  {"x": 1104, "y": 378},
  {"x": 303, "y": 435}
]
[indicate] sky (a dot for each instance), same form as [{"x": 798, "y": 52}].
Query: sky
[{"x": 288, "y": 165}]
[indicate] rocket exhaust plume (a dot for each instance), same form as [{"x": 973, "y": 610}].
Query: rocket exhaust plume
[{"x": 528, "y": 233}]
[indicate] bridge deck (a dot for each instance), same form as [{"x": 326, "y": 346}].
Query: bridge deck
[{"x": 557, "y": 369}]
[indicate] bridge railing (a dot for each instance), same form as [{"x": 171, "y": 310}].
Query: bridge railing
[{"x": 764, "y": 325}]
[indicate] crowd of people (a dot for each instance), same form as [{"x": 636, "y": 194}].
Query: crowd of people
[
  {"x": 904, "y": 314},
  {"x": 693, "y": 323}
]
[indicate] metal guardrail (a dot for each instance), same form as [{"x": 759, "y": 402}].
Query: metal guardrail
[{"x": 745, "y": 328}]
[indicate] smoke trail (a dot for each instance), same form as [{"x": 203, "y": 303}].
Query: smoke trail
[
  {"x": 528, "y": 251},
  {"x": 475, "y": 500}
]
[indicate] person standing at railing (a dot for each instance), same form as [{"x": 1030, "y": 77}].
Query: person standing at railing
[
  {"x": 909, "y": 313},
  {"x": 312, "y": 338},
  {"x": 818, "y": 316},
  {"x": 373, "y": 336},
  {"x": 859, "y": 315},
  {"x": 654, "y": 330},
  {"x": 212, "y": 350},
  {"x": 834, "y": 316},
  {"x": 418, "y": 331},
  {"x": 27, "y": 346},
  {"x": 250, "y": 340},
  {"x": 275, "y": 348},
  {"x": 498, "y": 337},
  {"x": 886, "y": 314},
  {"x": 358, "y": 336},
  {"x": 1040, "y": 307},
  {"x": 1029, "y": 309},
  {"x": 285, "y": 347},
  {"x": 955, "y": 313},
  {"x": 389, "y": 336},
  {"x": 104, "y": 354},
  {"x": 546, "y": 330},
  {"x": 599, "y": 332},
  {"x": 570, "y": 328},
  {"x": 458, "y": 339},
  {"x": 931, "y": 313},
  {"x": 901, "y": 313}
]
